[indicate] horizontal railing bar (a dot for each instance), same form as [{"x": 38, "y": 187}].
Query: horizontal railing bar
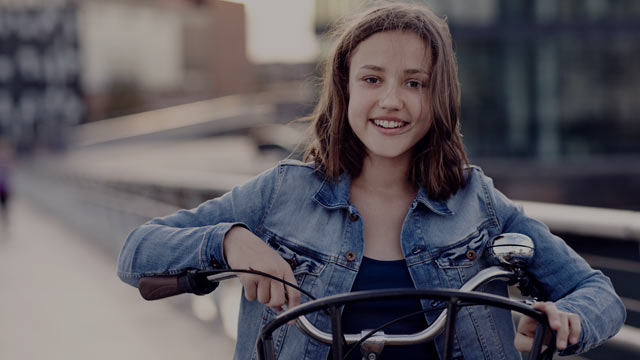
[
  {"x": 611, "y": 263},
  {"x": 586, "y": 221},
  {"x": 628, "y": 338}
]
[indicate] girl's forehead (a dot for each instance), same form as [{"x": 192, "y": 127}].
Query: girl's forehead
[{"x": 391, "y": 48}]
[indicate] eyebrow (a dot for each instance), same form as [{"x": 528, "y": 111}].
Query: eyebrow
[{"x": 407, "y": 71}]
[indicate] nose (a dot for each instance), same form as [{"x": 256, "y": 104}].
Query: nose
[{"x": 390, "y": 98}]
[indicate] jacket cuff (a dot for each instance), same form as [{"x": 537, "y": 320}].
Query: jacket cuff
[
  {"x": 580, "y": 346},
  {"x": 212, "y": 251}
]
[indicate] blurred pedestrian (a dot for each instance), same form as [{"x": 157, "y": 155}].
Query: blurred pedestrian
[{"x": 6, "y": 156}]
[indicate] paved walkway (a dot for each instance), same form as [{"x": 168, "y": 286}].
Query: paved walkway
[{"x": 60, "y": 299}]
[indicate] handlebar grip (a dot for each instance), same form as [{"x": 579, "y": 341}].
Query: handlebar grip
[{"x": 159, "y": 287}]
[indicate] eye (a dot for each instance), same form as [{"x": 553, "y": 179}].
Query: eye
[
  {"x": 371, "y": 80},
  {"x": 415, "y": 84}
]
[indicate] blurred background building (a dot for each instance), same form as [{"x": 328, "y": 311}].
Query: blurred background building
[
  {"x": 40, "y": 90},
  {"x": 549, "y": 93},
  {"x": 549, "y": 89},
  {"x": 541, "y": 78}
]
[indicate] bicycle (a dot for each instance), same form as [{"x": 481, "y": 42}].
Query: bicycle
[{"x": 510, "y": 251}]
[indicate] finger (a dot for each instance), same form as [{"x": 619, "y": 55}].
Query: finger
[
  {"x": 277, "y": 296},
  {"x": 250, "y": 285},
  {"x": 557, "y": 321},
  {"x": 264, "y": 291},
  {"x": 575, "y": 328},
  {"x": 523, "y": 342},
  {"x": 292, "y": 294},
  {"x": 563, "y": 332},
  {"x": 552, "y": 312},
  {"x": 527, "y": 326}
]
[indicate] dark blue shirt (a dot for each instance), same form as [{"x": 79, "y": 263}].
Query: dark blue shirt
[{"x": 378, "y": 274}]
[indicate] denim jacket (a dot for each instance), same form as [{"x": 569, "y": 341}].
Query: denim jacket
[{"x": 310, "y": 222}]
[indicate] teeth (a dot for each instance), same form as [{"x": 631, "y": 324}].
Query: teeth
[{"x": 388, "y": 124}]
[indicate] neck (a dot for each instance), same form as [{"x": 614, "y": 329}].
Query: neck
[{"x": 385, "y": 176}]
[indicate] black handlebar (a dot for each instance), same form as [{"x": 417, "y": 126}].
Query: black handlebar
[{"x": 160, "y": 287}]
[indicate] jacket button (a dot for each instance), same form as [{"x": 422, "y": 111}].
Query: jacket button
[
  {"x": 471, "y": 254},
  {"x": 350, "y": 256},
  {"x": 353, "y": 216},
  {"x": 293, "y": 263},
  {"x": 215, "y": 264}
]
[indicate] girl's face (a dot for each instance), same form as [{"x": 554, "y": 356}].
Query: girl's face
[{"x": 388, "y": 106}]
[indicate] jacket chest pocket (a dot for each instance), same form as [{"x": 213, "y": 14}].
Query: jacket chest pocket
[
  {"x": 460, "y": 261},
  {"x": 307, "y": 266}
]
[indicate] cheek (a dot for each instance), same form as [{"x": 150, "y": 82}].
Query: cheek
[
  {"x": 426, "y": 121},
  {"x": 354, "y": 109},
  {"x": 424, "y": 114},
  {"x": 350, "y": 114},
  {"x": 357, "y": 106}
]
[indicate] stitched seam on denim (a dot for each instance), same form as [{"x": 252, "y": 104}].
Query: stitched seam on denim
[
  {"x": 430, "y": 259},
  {"x": 479, "y": 334},
  {"x": 456, "y": 346},
  {"x": 274, "y": 193},
  {"x": 330, "y": 207},
  {"x": 203, "y": 262},
  {"x": 494, "y": 328},
  {"x": 465, "y": 240},
  {"x": 254, "y": 353},
  {"x": 264, "y": 319},
  {"x": 299, "y": 248},
  {"x": 282, "y": 331},
  {"x": 309, "y": 352},
  {"x": 340, "y": 260},
  {"x": 130, "y": 275},
  {"x": 344, "y": 206},
  {"x": 418, "y": 225},
  {"x": 489, "y": 202},
  {"x": 480, "y": 230},
  {"x": 139, "y": 276},
  {"x": 305, "y": 348}
]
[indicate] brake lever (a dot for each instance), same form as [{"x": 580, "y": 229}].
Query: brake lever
[{"x": 221, "y": 276}]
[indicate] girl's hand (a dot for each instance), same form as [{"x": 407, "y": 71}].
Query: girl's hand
[
  {"x": 566, "y": 325},
  {"x": 244, "y": 250}
]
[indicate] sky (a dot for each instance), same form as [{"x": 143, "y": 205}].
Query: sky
[{"x": 280, "y": 30}]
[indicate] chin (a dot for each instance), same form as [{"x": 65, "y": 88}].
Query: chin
[{"x": 389, "y": 154}]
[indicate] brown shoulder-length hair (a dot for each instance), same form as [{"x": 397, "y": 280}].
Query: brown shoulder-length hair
[{"x": 439, "y": 158}]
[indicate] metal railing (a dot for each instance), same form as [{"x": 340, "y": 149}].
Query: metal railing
[
  {"x": 586, "y": 221},
  {"x": 596, "y": 222}
]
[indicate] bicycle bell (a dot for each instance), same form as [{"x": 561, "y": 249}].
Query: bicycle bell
[{"x": 512, "y": 249}]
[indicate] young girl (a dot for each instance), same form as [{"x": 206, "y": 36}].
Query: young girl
[{"x": 387, "y": 199}]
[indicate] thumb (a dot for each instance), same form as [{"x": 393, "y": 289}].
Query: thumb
[
  {"x": 523, "y": 343},
  {"x": 293, "y": 294}
]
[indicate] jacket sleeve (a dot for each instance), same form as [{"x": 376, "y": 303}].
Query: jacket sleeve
[
  {"x": 193, "y": 239},
  {"x": 566, "y": 278}
]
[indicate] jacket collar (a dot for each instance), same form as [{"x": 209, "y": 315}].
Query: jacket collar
[
  {"x": 335, "y": 195},
  {"x": 438, "y": 207}
]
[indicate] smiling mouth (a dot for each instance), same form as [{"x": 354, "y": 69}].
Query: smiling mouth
[{"x": 389, "y": 124}]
